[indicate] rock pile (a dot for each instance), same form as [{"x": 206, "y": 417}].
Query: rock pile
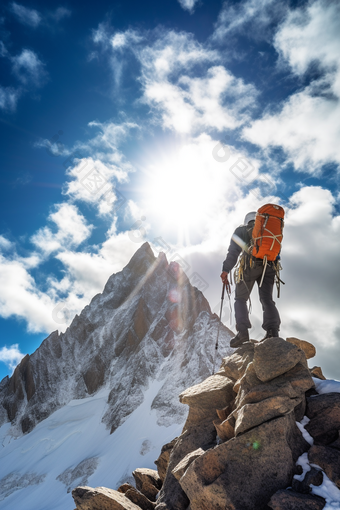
[{"x": 241, "y": 441}]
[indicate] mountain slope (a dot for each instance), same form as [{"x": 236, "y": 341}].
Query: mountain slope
[{"x": 137, "y": 345}]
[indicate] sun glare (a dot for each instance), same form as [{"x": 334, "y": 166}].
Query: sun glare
[{"x": 181, "y": 190}]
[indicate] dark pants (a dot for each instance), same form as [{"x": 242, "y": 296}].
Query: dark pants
[{"x": 271, "y": 317}]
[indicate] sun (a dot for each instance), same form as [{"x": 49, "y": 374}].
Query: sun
[{"x": 180, "y": 191}]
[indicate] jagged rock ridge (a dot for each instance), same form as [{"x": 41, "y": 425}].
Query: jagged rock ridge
[
  {"x": 242, "y": 446},
  {"x": 149, "y": 321}
]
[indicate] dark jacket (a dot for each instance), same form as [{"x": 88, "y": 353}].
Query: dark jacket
[{"x": 234, "y": 250}]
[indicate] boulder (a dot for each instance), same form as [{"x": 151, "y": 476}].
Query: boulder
[
  {"x": 252, "y": 415},
  {"x": 182, "y": 466},
  {"x": 198, "y": 431},
  {"x": 324, "y": 413},
  {"x": 317, "y": 372},
  {"x": 225, "y": 429},
  {"x": 139, "y": 499},
  {"x": 235, "y": 365},
  {"x": 299, "y": 377},
  {"x": 306, "y": 347},
  {"x": 290, "y": 500},
  {"x": 314, "y": 477},
  {"x": 274, "y": 357},
  {"x": 125, "y": 487},
  {"x": 147, "y": 482},
  {"x": 263, "y": 457},
  {"x": 336, "y": 443},
  {"x": 214, "y": 392},
  {"x": 329, "y": 461},
  {"x": 101, "y": 498},
  {"x": 163, "y": 459}
]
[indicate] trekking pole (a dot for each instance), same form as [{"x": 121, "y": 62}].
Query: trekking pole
[{"x": 218, "y": 329}]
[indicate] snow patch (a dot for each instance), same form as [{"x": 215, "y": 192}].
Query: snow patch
[
  {"x": 301, "y": 426},
  {"x": 304, "y": 463},
  {"x": 327, "y": 386},
  {"x": 329, "y": 491}
]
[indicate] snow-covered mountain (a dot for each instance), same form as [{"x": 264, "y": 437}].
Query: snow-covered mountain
[{"x": 91, "y": 404}]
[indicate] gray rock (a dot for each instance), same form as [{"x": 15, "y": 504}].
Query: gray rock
[
  {"x": 274, "y": 357},
  {"x": 182, "y": 466},
  {"x": 263, "y": 457},
  {"x": 139, "y": 499},
  {"x": 306, "y": 347},
  {"x": 214, "y": 392},
  {"x": 336, "y": 443},
  {"x": 148, "y": 482},
  {"x": 314, "y": 477},
  {"x": 252, "y": 415},
  {"x": 317, "y": 372},
  {"x": 101, "y": 498},
  {"x": 163, "y": 459},
  {"x": 235, "y": 365},
  {"x": 324, "y": 413},
  {"x": 197, "y": 432},
  {"x": 290, "y": 500},
  {"x": 329, "y": 461}
]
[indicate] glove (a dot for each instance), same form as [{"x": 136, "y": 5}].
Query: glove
[{"x": 224, "y": 277}]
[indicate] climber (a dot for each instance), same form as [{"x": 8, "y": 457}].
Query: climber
[{"x": 261, "y": 269}]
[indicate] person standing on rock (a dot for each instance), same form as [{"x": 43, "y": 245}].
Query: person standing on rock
[{"x": 252, "y": 270}]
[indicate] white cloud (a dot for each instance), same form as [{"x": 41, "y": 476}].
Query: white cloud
[
  {"x": 129, "y": 37},
  {"x": 11, "y": 356},
  {"x": 95, "y": 177},
  {"x": 311, "y": 34},
  {"x": 21, "y": 298},
  {"x": 92, "y": 184},
  {"x": 188, "y": 103},
  {"x": 308, "y": 125},
  {"x": 5, "y": 244},
  {"x": 26, "y": 16},
  {"x": 8, "y": 98},
  {"x": 251, "y": 17},
  {"x": 72, "y": 230},
  {"x": 188, "y": 5},
  {"x": 28, "y": 68}
]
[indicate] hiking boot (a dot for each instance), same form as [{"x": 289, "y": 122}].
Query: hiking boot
[
  {"x": 239, "y": 339},
  {"x": 271, "y": 333}
]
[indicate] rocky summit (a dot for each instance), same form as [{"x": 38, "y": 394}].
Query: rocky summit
[
  {"x": 108, "y": 385},
  {"x": 258, "y": 436}
]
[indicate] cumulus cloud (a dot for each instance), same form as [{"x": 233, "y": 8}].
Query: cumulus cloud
[
  {"x": 21, "y": 298},
  {"x": 188, "y": 5},
  {"x": 72, "y": 230},
  {"x": 11, "y": 356},
  {"x": 308, "y": 125},
  {"x": 188, "y": 103},
  {"x": 95, "y": 178},
  {"x": 26, "y": 16},
  {"x": 28, "y": 68}
]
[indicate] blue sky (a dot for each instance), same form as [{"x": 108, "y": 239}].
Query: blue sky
[{"x": 167, "y": 122}]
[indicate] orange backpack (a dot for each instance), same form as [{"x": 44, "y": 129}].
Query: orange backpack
[{"x": 267, "y": 232}]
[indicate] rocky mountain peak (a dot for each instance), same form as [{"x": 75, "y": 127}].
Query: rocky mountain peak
[{"x": 148, "y": 323}]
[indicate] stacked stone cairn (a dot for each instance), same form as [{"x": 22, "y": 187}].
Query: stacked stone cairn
[{"x": 240, "y": 443}]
